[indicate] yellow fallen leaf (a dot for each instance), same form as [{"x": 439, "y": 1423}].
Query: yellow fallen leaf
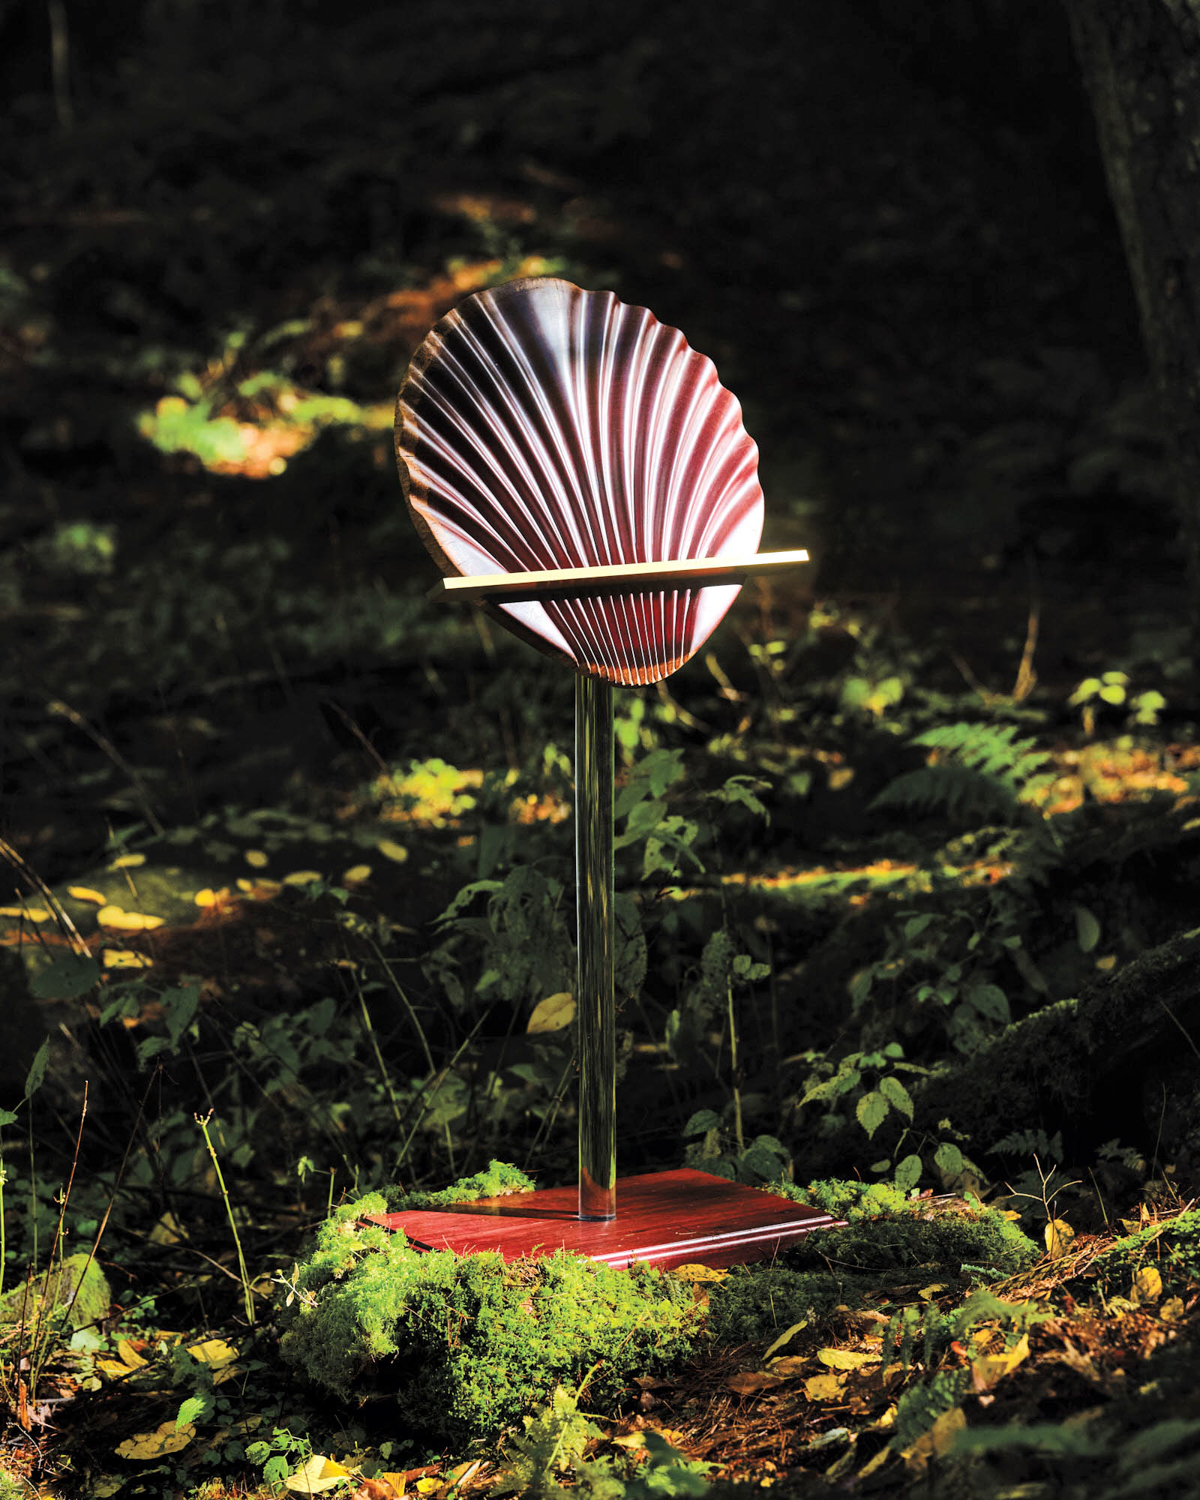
[
  {"x": 872, "y": 1465},
  {"x": 85, "y": 893},
  {"x": 462, "y": 1473},
  {"x": 946, "y": 1429},
  {"x": 632, "y": 1441},
  {"x": 356, "y": 874},
  {"x": 128, "y": 862},
  {"x": 1058, "y": 1234},
  {"x": 166, "y": 1438},
  {"x": 987, "y": 1369},
  {"x": 206, "y": 897},
  {"x": 786, "y": 1337},
  {"x": 552, "y": 1014},
  {"x": 122, "y": 958},
  {"x": 846, "y": 1359},
  {"x": 319, "y": 1473},
  {"x": 113, "y": 1368},
  {"x": 393, "y": 851},
  {"x": 938, "y": 1440},
  {"x": 30, "y": 913},
  {"x": 168, "y": 1230},
  {"x": 213, "y": 1352},
  {"x": 927, "y": 1292},
  {"x": 788, "y": 1365},
  {"x": 127, "y": 921},
  {"x": 1147, "y": 1285},
  {"x": 698, "y": 1273},
  {"x": 1172, "y": 1310},
  {"x": 129, "y": 1356},
  {"x": 427, "y": 1485},
  {"x": 303, "y": 877},
  {"x": 257, "y": 858},
  {"x": 822, "y": 1387}
]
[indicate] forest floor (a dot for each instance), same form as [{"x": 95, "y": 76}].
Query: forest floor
[{"x": 246, "y": 765}]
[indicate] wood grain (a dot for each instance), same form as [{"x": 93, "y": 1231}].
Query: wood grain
[
  {"x": 623, "y": 578},
  {"x": 663, "y": 1219}
]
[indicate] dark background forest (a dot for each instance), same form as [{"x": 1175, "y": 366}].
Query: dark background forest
[{"x": 909, "y": 852}]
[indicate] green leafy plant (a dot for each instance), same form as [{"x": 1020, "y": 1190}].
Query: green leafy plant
[{"x": 1112, "y": 689}]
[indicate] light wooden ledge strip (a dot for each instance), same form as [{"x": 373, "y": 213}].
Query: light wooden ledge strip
[{"x": 624, "y": 578}]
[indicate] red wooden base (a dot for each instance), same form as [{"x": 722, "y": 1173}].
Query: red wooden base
[{"x": 664, "y": 1219}]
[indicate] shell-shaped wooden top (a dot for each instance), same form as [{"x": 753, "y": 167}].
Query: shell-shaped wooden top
[{"x": 542, "y": 426}]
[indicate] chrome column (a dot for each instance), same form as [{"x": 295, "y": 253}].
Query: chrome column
[{"x": 594, "y": 999}]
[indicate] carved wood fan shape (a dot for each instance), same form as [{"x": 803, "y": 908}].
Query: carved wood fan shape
[{"x": 543, "y": 427}]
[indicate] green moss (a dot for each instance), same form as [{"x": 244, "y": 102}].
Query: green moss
[
  {"x": 849, "y": 1200},
  {"x": 888, "y": 1239},
  {"x": 470, "y": 1342},
  {"x": 758, "y": 1301},
  {"x": 947, "y": 1237},
  {"x": 76, "y": 1287},
  {"x": 1172, "y": 1246},
  {"x": 496, "y": 1181}
]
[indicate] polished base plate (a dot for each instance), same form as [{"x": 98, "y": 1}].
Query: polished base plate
[{"x": 664, "y": 1219}]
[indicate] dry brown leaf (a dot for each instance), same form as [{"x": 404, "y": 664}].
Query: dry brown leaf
[{"x": 750, "y": 1382}]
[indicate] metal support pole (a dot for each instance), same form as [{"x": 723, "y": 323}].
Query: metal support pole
[{"x": 595, "y": 1005}]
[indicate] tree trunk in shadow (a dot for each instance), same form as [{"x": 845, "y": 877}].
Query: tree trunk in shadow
[{"x": 1141, "y": 66}]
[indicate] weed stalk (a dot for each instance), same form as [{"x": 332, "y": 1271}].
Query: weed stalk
[{"x": 247, "y": 1293}]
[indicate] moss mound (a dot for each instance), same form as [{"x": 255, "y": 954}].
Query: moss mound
[
  {"x": 470, "y": 1342},
  {"x": 1172, "y": 1246},
  {"x": 884, "y": 1235},
  {"x": 888, "y": 1240},
  {"x": 76, "y": 1289}
]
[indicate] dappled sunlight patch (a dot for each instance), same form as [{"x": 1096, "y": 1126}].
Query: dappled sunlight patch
[
  {"x": 254, "y": 425},
  {"x": 431, "y": 792},
  {"x": 1116, "y": 771}
]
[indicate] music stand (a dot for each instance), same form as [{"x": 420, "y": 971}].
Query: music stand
[{"x": 577, "y": 470}]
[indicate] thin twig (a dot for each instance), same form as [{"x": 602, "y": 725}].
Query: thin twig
[
  {"x": 60, "y": 916},
  {"x": 1026, "y": 676},
  {"x": 103, "y": 743}
]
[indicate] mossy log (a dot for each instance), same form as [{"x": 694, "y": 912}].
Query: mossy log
[{"x": 1122, "y": 1060}]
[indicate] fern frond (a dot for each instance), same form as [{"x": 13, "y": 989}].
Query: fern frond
[
  {"x": 961, "y": 792},
  {"x": 978, "y": 774},
  {"x": 992, "y": 749}
]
